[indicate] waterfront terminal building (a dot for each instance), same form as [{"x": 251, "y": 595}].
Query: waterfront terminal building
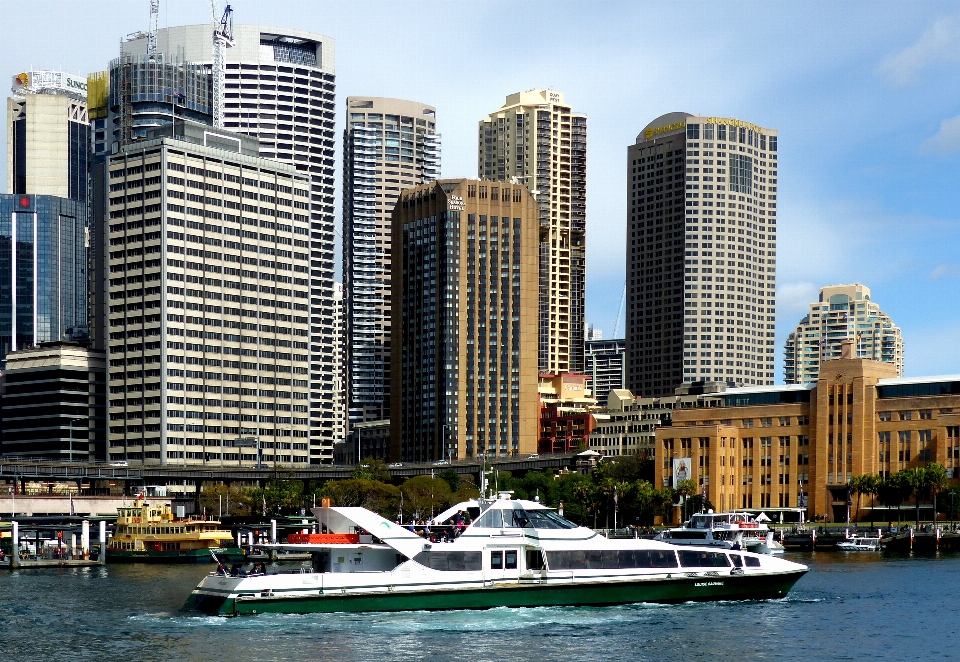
[{"x": 801, "y": 444}]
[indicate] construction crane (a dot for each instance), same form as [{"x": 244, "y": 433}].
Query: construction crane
[
  {"x": 152, "y": 34},
  {"x": 623, "y": 299},
  {"x": 222, "y": 40}
]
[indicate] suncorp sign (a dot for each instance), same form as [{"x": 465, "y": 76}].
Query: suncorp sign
[{"x": 50, "y": 82}]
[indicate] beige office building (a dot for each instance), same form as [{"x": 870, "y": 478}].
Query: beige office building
[
  {"x": 47, "y": 135},
  {"x": 842, "y": 312},
  {"x": 389, "y": 145},
  {"x": 701, "y": 253},
  {"x": 536, "y": 140},
  {"x": 208, "y": 271},
  {"x": 464, "y": 349}
]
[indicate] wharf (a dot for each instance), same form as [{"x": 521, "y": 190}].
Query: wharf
[
  {"x": 927, "y": 540},
  {"x": 52, "y": 546}
]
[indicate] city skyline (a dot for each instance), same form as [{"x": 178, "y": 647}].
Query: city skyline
[{"x": 884, "y": 173}]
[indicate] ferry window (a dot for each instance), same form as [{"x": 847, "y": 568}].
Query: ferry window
[
  {"x": 737, "y": 560},
  {"x": 496, "y": 560},
  {"x": 691, "y": 559},
  {"x": 752, "y": 562},
  {"x": 534, "y": 559},
  {"x": 545, "y": 519},
  {"x": 490, "y": 520},
  {"x": 450, "y": 561},
  {"x": 515, "y": 519},
  {"x": 510, "y": 562}
]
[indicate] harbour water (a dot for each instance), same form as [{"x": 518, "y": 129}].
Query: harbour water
[{"x": 849, "y": 607}]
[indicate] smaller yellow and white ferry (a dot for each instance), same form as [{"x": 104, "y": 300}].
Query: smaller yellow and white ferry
[{"x": 149, "y": 533}]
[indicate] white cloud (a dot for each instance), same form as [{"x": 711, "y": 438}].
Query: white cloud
[
  {"x": 946, "y": 140},
  {"x": 945, "y": 271},
  {"x": 938, "y": 45}
]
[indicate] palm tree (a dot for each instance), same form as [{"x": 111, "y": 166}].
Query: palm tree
[
  {"x": 875, "y": 482},
  {"x": 860, "y": 485},
  {"x": 936, "y": 483},
  {"x": 919, "y": 484}
]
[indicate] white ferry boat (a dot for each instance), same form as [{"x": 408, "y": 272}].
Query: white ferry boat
[
  {"x": 737, "y": 531},
  {"x": 515, "y": 554}
]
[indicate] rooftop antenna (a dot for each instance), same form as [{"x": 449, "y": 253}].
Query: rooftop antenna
[
  {"x": 152, "y": 34},
  {"x": 222, "y": 40}
]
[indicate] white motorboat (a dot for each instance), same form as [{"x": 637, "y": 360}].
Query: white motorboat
[
  {"x": 860, "y": 544},
  {"x": 736, "y": 531}
]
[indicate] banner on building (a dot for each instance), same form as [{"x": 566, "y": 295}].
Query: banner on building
[{"x": 681, "y": 469}]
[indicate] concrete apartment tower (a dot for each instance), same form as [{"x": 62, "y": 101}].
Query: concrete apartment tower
[
  {"x": 701, "y": 253},
  {"x": 464, "y": 350},
  {"x": 209, "y": 302},
  {"x": 843, "y": 312},
  {"x": 536, "y": 140},
  {"x": 389, "y": 145},
  {"x": 280, "y": 88}
]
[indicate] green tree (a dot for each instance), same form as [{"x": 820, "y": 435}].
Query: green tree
[
  {"x": 372, "y": 469},
  {"x": 452, "y": 477},
  {"x": 280, "y": 497},
  {"x": 424, "y": 496},
  {"x": 374, "y": 495},
  {"x": 233, "y": 500}
]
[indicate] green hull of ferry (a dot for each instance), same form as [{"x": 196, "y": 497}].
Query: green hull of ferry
[{"x": 523, "y": 594}]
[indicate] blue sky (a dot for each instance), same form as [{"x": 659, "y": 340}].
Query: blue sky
[{"x": 866, "y": 97}]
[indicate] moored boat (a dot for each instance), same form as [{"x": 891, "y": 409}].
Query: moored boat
[
  {"x": 515, "y": 554},
  {"x": 860, "y": 544},
  {"x": 150, "y": 533},
  {"x": 735, "y": 531}
]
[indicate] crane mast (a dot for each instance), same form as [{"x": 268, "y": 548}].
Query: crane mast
[
  {"x": 152, "y": 34},
  {"x": 222, "y": 40}
]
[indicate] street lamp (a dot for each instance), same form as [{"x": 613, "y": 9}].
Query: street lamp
[{"x": 72, "y": 421}]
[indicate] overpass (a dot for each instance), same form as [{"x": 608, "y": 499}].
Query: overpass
[{"x": 26, "y": 469}]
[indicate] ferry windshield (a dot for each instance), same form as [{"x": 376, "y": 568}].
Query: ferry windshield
[{"x": 519, "y": 518}]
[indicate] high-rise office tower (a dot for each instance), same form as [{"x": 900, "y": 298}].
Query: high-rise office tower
[
  {"x": 843, "y": 312},
  {"x": 388, "y": 145},
  {"x": 43, "y": 270},
  {"x": 536, "y": 140},
  {"x": 48, "y": 135},
  {"x": 605, "y": 366},
  {"x": 464, "y": 350},
  {"x": 280, "y": 88},
  {"x": 701, "y": 253},
  {"x": 208, "y": 288}
]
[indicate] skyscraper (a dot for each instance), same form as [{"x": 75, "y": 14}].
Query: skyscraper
[
  {"x": 43, "y": 270},
  {"x": 464, "y": 373},
  {"x": 280, "y": 88},
  {"x": 47, "y": 135},
  {"x": 388, "y": 145},
  {"x": 842, "y": 312},
  {"x": 604, "y": 366},
  {"x": 536, "y": 140},
  {"x": 208, "y": 317},
  {"x": 339, "y": 394},
  {"x": 701, "y": 253}
]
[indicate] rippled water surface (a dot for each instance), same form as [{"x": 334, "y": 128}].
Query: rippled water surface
[{"x": 849, "y": 607}]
